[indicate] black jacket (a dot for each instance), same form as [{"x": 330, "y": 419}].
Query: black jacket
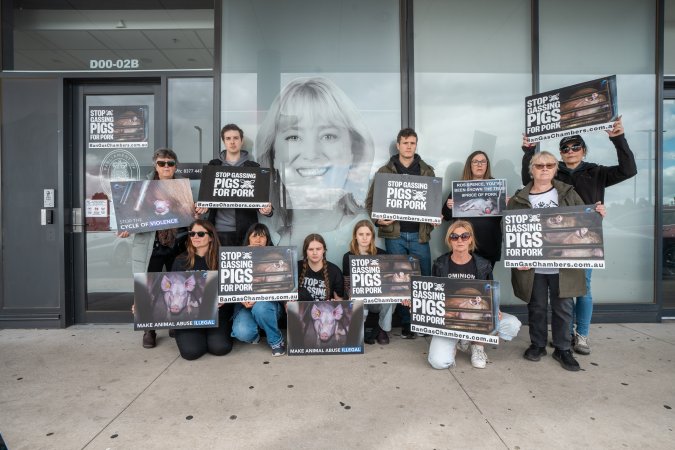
[
  {"x": 590, "y": 179},
  {"x": 442, "y": 267},
  {"x": 243, "y": 217}
]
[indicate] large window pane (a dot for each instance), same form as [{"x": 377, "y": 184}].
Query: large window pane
[
  {"x": 472, "y": 74},
  {"x": 577, "y": 47},
  {"x": 329, "y": 71}
]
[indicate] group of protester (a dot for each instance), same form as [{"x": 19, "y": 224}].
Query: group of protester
[{"x": 474, "y": 246}]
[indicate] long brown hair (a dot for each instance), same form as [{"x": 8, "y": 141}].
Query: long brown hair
[
  {"x": 467, "y": 174},
  {"x": 354, "y": 245},
  {"x": 211, "y": 256},
  {"x": 305, "y": 245}
]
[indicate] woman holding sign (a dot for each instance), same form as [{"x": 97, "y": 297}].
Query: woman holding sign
[
  {"x": 488, "y": 229},
  {"x": 536, "y": 286},
  {"x": 155, "y": 251},
  {"x": 363, "y": 243},
  {"x": 202, "y": 254},
  {"x": 248, "y": 316},
  {"x": 463, "y": 264},
  {"x": 318, "y": 279}
]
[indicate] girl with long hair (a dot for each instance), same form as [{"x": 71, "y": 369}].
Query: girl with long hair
[
  {"x": 318, "y": 278},
  {"x": 363, "y": 243}
]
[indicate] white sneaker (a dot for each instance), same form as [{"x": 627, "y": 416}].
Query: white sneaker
[
  {"x": 463, "y": 345},
  {"x": 478, "y": 357},
  {"x": 581, "y": 344}
]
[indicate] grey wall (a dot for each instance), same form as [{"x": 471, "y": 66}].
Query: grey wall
[{"x": 32, "y": 255}]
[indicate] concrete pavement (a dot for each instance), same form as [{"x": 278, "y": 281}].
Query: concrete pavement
[{"x": 95, "y": 387}]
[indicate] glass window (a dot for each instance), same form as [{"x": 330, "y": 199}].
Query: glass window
[
  {"x": 104, "y": 35},
  {"x": 580, "y": 41},
  {"x": 472, "y": 74},
  {"x": 315, "y": 85},
  {"x": 669, "y": 202},
  {"x": 190, "y": 125}
]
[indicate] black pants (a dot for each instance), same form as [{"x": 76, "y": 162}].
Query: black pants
[
  {"x": 157, "y": 263},
  {"x": 561, "y": 312},
  {"x": 195, "y": 342}
]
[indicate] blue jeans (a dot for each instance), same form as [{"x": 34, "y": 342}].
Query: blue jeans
[
  {"x": 583, "y": 309},
  {"x": 264, "y": 315},
  {"x": 409, "y": 244}
]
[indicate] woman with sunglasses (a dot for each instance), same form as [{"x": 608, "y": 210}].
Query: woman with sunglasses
[
  {"x": 535, "y": 286},
  {"x": 488, "y": 229},
  {"x": 202, "y": 254},
  {"x": 590, "y": 181},
  {"x": 462, "y": 263},
  {"x": 155, "y": 251}
]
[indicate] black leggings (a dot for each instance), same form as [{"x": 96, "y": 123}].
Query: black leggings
[{"x": 193, "y": 343}]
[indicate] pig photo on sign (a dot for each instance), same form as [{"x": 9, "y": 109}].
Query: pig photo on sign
[
  {"x": 465, "y": 305},
  {"x": 579, "y": 236},
  {"x": 483, "y": 206},
  {"x": 176, "y": 296},
  {"x": 325, "y": 325}
]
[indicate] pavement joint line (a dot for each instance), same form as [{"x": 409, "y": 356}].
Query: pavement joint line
[
  {"x": 130, "y": 403},
  {"x": 478, "y": 409},
  {"x": 646, "y": 334}
]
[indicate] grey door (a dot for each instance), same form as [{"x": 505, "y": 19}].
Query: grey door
[{"x": 116, "y": 128}]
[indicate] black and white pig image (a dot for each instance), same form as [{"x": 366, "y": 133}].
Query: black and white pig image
[
  {"x": 560, "y": 221},
  {"x": 271, "y": 267},
  {"x": 177, "y": 289},
  {"x": 326, "y": 320},
  {"x": 579, "y": 236},
  {"x": 473, "y": 302},
  {"x": 576, "y": 253},
  {"x": 483, "y": 206}
]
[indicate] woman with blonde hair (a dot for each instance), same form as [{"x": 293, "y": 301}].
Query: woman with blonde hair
[
  {"x": 363, "y": 243},
  {"x": 462, "y": 264},
  {"x": 320, "y": 152}
]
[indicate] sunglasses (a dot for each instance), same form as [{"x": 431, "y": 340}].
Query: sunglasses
[
  {"x": 463, "y": 236},
  {"x": 166, "y": 163},
  {"x": 570, "y": 148},
  {"x": 541, "y": 166},
  {"x": 199, "y": 233}
]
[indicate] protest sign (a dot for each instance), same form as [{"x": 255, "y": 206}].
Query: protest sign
[
  {"x": 580, "y": 108},
  {"x": 407, "y": 197},
  {"x": 151, "y": 205},
  {"x": 566, "y": 237},
  {"x": 250, "y": 274},
  {"x": 461, "y": 309},
  {"x": 234, "y": 187},
  {"x": 381, "y": 278},
  {"x": 478, "y": 198},
  {"x": 175, "y": 300},
  {"x": 325, "y": 328},
  {"x": 117, "y": 127}
]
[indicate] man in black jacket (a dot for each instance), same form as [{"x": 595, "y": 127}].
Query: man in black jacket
[
  {"x": 232, "y": 223},
  {"x": 590, "y": 181}
]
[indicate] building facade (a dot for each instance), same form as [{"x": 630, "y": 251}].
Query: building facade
[{"x": 456, "y": 71}]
